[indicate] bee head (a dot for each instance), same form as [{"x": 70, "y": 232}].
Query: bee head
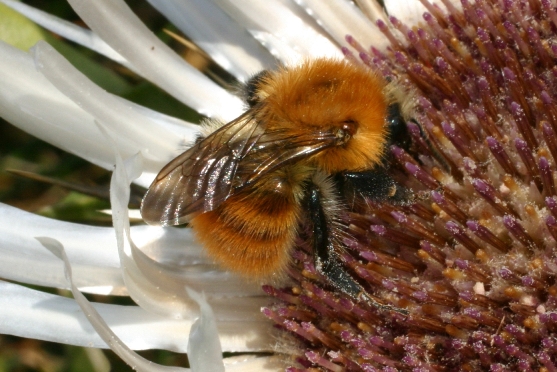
[{"x": 331, "y": 96}]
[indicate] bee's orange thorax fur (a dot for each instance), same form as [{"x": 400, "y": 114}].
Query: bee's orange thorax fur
[{"x": 326, "y": 93}]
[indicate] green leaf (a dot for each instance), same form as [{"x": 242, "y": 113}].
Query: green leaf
[{"x": 17, "y": 30}]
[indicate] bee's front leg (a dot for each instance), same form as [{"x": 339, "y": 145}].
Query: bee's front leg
[{"x": 327, "y": 261}]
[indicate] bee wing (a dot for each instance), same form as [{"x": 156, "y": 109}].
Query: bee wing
[
  {"x": 277, "y": 149},
  {"x": 233, "y": 157},
  {"x": 202, "y": 177}
]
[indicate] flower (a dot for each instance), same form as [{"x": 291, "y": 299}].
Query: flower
[{"x": 472, "y": 258}]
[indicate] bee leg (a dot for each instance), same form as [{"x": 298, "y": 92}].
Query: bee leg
[{"x": 327, "y": 261}]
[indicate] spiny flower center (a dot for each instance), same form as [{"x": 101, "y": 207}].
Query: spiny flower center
[{"x": 473, "y": 259}]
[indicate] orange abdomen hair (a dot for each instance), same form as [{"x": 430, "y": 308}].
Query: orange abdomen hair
[{"x": 252, "y": 233}]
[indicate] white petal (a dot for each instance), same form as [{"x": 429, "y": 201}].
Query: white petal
[
  {"x": 218, "y": 35},
  {"x": 116, "y": 24},
  {"x": 409, "y": 12},
  {"x": 341, "y": 18},
  {"x": 33, "y": 314},
  {"x": 252, "y": 363},
  {"x": 67, "y": 30},
  {"x": 177, "y": 249},
  {"x": 204, "y": 349},
  {"x": 30, "y": 102},
  {"x": 116, "y": 113},
  {"x": 285, "y": 27},
  {"x": 93, "y": 253},
  {"x": 92, "y": 249},
  {"x": 96, "y": 320}
]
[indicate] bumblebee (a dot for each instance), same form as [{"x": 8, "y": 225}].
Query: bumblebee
[{"x": 313, "y": 136}]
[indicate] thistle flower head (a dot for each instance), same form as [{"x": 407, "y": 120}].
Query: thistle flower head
[{"x": 473, "y": 257}]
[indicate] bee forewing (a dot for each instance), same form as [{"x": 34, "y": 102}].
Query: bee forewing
[
  {"x": 278, "y": 149},
  {"x": 201, "y": 178},
  {"x": 237, "y": 155}
]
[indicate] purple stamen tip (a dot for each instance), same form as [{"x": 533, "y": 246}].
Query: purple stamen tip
[
  {"x": 546, "y": 98},
  {"x": 378, "y": 229},
  {"x": 482, "y": 187},
  {"x": 544, "y": 164},
  {"x": 397, "y": 151},
  {"x": 473, "y": 225},
  {"x": 437, "y": 197},
  {"x": 520, "y": 144},
  {"x": 399, "y": 217},
  {"x": 412, "y": 168},
  {"x": 453, "y": 228},
  {"x": 492, "y": 142},
  {"x": 462, "y": 264},
  {"x": 509, "y": 74},
  {"x": 506, "y": 273}
]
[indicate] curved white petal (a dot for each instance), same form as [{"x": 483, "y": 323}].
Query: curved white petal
[
  {"x": 147, "y": 137},
  {"x": 178, "y": 250},
  {"x": 341, "y": 18},
  {"x": 116, "y": 24},
  {"x": 277, "y": 47},
  {"x": 408, "y": 12},
  {"x": 204, "y": 349},
  {"x": 30, "y": 102},
  {"x": 33, "y": 314},
  {"x": 67, "y": 30},
  {"x": 289, "y": 34},
  {"x": 99, "y": 324},
  {"x": 228, "y": 43}
]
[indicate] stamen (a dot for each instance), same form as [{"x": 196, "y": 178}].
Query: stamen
[
  {"x": 486, "y": 235},
  {"x": 501, "y": 156},
  {"x": 516, "y": 229}
]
